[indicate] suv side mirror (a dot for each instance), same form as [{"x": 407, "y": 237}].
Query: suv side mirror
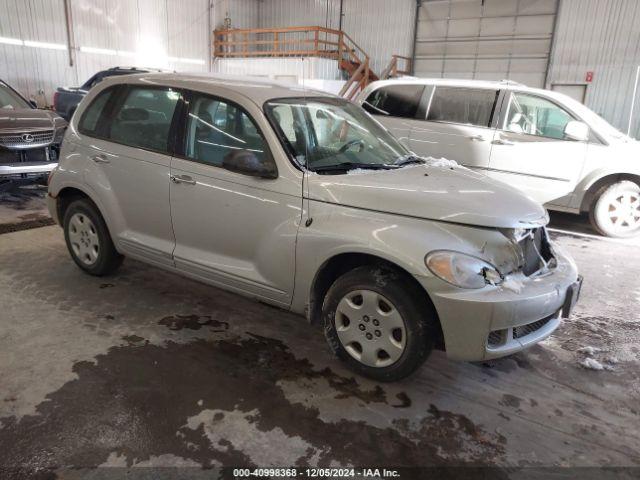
[
  {"x": 577, "y": 131},
  {"x": 247, "y": 163}
]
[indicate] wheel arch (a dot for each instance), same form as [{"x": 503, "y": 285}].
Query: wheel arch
[
  {"x": 606, "y": 180},
  {"x": 67, "y": 195},
  {"x": 337, "y": 265}
]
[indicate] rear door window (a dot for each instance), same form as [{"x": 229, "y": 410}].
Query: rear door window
[
  {"x": 395, "y": 101},
  {"x": 467, "y": 106},
  {"x": 144, "y": 118}
]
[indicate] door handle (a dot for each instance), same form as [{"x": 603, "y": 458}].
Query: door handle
[
  {"x": 186, "y": 179},
  {"x": 479, "y": 138},
  {"x": 502, "y": 141},
  {"x": 100, "y": 159}
]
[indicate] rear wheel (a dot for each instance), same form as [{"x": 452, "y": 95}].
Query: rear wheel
[
  {"x": 378, "y": 323},
  {"x": 615, "y": 211},
  {"x": 88, "y": 239}
]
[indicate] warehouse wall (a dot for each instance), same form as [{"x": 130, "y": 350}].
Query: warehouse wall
[
  {"x": 603, "y": 37},
  {"x": 106, "y": 33},
  {"x": 380, "y": 27}
]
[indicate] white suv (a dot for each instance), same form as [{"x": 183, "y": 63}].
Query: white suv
[
  {"x": 302, "y": 200},
  {"x": 548, "y": 145}
]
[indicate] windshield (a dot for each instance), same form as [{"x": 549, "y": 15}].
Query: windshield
[
  {"x": 10, "y": 99},
  {"x": 322, "y": 133}
]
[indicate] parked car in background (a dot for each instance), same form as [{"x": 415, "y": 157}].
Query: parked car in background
[
  {"x": 29, "y": 137},
  {"x": 66, "y": 99},
  {"x": 547, "y": 144},
  {"x": 302, "y": 200}
]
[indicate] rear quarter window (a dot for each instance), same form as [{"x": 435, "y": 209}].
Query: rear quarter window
[
  {"x": 395, "y": 101},
  {"x": 95, "y": 112}
]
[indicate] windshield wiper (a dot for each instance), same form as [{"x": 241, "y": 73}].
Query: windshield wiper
[
  {"x": 408, "y": 159},
  {"x": 346, "y": 166}
]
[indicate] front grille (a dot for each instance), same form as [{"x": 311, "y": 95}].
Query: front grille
[
  {"x": 524, "y": 330},
  {"x": 23, "y": 140},
  {"x": 535, "y": 248},
  {"x": 9, "y": 156},
  {"x": 34, "y": 155},
  {"x": 496, "y": 338}
]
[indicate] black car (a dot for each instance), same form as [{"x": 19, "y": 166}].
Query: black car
[
  {"x": 30, "y": 138},
  {"x": 66, "y": 99}
]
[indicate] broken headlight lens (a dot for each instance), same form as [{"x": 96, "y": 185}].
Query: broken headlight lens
[{"x": 461, "y": 270}]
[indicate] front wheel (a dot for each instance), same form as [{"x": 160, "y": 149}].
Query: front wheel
[
  {"x": 616, "y": 210},
  {"x": 88, "y": 239},
  {"x": 378, "y": 323}
]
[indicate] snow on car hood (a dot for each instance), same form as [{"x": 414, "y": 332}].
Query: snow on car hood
[{"x": 433, "y": 192}]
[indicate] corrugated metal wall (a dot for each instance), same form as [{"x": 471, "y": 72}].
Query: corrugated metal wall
[
  {"x": 381, "y": 27},
  {"x": 601, "y": 36},
  {"x": 106, "y": 33}
]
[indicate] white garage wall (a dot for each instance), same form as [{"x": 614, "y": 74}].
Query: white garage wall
[
  {"x": 106, "y": 33},
  {"x": 602, "y": 36},
  {"x": 381, "y": 27}
]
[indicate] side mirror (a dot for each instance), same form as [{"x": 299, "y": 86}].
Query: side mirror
[
  {"x": 577, "y": 131},
  {"x": 247, "y": 163},
  {"x": 321, "y": 115}
]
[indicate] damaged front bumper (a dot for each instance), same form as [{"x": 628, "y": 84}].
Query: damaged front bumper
[{"x": 498, "y": 320}]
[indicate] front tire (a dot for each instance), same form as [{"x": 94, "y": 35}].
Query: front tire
[
  {"x": 615, "y": 211},
  {"x": 378, "y": 323},
  {"x": 88, "y": 239}
]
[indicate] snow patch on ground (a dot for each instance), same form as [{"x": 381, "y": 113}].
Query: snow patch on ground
[
  {"x": 591, "y": 364},
  {"x": 589, "y": 350}
]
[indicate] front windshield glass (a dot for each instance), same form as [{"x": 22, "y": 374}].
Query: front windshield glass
[
  {"x": 323, "y": 133},
  {"x": 10, "y": 100}
]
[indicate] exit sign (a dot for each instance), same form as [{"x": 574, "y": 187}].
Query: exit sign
[{"x": 589, "y": 77}]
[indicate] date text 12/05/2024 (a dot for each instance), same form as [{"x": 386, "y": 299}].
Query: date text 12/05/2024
[{"x": 373, "y": 473}]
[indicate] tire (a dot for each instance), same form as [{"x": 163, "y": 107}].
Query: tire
[
  {"x": 622, "y": 197},
  {"x": 385, "y": 295},
  {"x": 88, "y": 239}
]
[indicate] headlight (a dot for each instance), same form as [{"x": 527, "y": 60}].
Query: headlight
[
  {"x": 59, "y": 135},
  {"x": 462, "y": 270}
]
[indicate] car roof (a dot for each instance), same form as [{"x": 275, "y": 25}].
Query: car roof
[
  {"x": 459, "y": 82},
  {"x": 258, "y": 90}
]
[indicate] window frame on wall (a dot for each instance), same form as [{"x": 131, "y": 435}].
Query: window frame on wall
[
  {"x": 182, "y": 131},
  {"x": 493, "y": 115},
  {"x": 114, "y": 105}
]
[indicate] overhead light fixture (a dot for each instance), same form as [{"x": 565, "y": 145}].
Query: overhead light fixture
[
  {"x": 101, "y": 51},
  {"x": 50, "y": 46},
  {"x": 11, "y": 41}
]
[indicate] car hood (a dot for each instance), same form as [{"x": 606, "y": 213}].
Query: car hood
[
  {"x": 448, "y": 194},
  {"x": 24, "y": 119}
]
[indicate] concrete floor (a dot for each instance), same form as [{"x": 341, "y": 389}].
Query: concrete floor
[{"x": 146, "y": 368}]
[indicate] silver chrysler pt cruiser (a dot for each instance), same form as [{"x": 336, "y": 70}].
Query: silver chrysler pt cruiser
[{"x": 304, "y": 201}]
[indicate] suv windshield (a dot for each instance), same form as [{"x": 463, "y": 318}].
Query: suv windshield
[
  {"x": 10, "y": 99},
  {"x": 333, "y": 134}
]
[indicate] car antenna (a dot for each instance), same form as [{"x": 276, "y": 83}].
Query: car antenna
[{"x": 305, "y": 174}]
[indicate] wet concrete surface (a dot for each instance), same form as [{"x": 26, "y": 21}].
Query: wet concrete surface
[
  {"x": 148, "y": 368},
  {"x": 23, "y": 205}
]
